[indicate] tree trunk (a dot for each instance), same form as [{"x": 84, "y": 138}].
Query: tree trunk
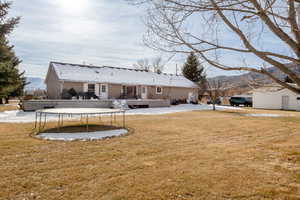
[
  {"x": 214, "y": 106},
  {"x": 1, "y": 100}
]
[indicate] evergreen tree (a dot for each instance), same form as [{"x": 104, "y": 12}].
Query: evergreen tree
[
  {"x": 192, "y": 69},
  {"x": 12, "y": 81}
]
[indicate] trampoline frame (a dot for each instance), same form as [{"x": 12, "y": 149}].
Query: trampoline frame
[{"x": 41, "y": 116}]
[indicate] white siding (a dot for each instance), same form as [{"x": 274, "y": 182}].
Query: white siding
[{"x": 273, "y": 99}]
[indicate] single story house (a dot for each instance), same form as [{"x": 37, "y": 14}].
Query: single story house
[
  {"x": 275, "y": 97},
  {"x": 117, "y": 83}
]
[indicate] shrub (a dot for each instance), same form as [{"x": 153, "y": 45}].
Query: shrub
[
  {"x": 65, "y": 94},
  {"x": 72, "y": 92}
]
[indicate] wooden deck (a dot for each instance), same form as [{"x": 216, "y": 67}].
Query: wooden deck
[{"x": 33, "y": 105}]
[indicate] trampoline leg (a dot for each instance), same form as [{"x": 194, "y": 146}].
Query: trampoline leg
[
  {"x": 40, "y": 122},
  {"x": 45, "y": 120},
  {"x": 35, "y": 123},
  {"x": 123, "y": 119},
  {"x": 111, "y": 119},
  {"x": 58, "y": 124},
  {"x": 62, "y": 120},
  {"x": 87, "y": 123}
]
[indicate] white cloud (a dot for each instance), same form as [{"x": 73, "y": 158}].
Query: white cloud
[{"x": 95, "y": 32}]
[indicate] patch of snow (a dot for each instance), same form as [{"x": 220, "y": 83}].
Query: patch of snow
[
  {"x": 120, "y": 104},
  {"x": 18, "y": 116},
  {"x": 262, "y": 115},
  {"x": 175, "y": 109},
  {"x": 84, "y": 136}
]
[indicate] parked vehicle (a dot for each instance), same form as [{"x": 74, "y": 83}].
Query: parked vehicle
[
  {"x": 237, "y": 101},
  {"x": 217, "y": 101}
]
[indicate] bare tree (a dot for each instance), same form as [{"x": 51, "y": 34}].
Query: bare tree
[
  {"x": 158, "y": 65},
  {"x": 215, "y": 91},
  {"x": 182, "y": 26},
  {"x": 142, "y": 64}
]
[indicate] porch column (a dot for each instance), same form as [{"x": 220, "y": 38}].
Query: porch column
[
  {"x": 85, "y": 87},
  {"x": 97, "y": 91},
  {"x": 138, "y": 91}
]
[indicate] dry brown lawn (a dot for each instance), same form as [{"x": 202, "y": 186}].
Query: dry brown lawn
[
  {"x": 192, "y": 155},
  {"x": 8, "y": 107}
]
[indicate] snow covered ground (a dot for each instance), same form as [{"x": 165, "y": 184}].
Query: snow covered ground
[
  {"x": 84, "y": 136},
  {"x": 17, "y": 116}
]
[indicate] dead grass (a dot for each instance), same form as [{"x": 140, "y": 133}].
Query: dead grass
[
  {"x": 194, "y": 155},
  {"x": 8, "y": 107}
]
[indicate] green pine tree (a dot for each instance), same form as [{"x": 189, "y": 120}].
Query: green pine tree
[
  {"x": 12, "y": 81},
  {"x": 193, "y": 70}
]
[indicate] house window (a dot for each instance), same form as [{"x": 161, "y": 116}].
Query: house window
[
  {"x": 143, "y": 90},
  {"x": 91, "y": 88},
  {"x": 158, "y": 90},
  {"x": 103, "y": 88},
  {"x": 298, "y": 98}
]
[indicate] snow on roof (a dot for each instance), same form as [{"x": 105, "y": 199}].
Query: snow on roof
[
  {"x": 273, "y": 87},
  {"x": 104, "y": 74}
]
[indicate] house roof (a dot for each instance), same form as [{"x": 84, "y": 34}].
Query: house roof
[
  {"x": 105, "y": 74},
  {"x": 273, "y": 87}
]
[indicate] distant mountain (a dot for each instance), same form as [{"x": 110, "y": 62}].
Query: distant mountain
[
  {"x": 35, "y": 83},
  {"x": 242, "y": 81},
  {"x": 238, "y": 81}
]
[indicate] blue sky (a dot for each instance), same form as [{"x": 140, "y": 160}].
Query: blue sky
[{"x": 98, "y": 32}]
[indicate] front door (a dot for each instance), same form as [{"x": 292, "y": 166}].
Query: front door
[
  {"x": 144, "y": 92},
  {"x": 103, "y": 91},
  {"x": 285, "y": 103}
]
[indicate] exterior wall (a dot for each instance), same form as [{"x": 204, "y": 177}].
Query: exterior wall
[
  {"x": 114, "y": 91},
  {"x": 171, "y": 93},
  {"x": 53, "y": 85},
  {"x": 78, "y": 87},
  {"x": 183, "y": 93},
  {"x": 273, "y": 99}
]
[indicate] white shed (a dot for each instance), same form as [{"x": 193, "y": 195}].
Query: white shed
[{"x": 275, "y": 97}]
